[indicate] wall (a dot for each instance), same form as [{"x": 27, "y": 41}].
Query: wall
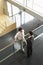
[
  {"x": 3, "y": 7},
  {"x": 6, "y": 25},
  {"x": 8, "y": 29}
]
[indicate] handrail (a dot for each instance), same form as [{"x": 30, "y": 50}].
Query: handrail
[
  {"x": 8, "y": 56},
  {"x": 7, "y": 46},
  {"x": 26, "y": 9},
  {"x": 37, "y": 28}
]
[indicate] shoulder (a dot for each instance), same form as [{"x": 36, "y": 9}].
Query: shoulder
[
  {"x": 18, "y": 33},
  {"x": 32, "y": 36},
  {"x": 23, "y": 30}
]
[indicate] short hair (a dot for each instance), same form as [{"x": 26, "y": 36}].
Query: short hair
[
  {"x": 31, "y": 33},
  {"x": 20, "y": 28}
]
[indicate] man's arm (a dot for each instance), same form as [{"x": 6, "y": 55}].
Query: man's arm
[
  {"x": 27, "y": 34},
  {"x": 15, "y": 38}
]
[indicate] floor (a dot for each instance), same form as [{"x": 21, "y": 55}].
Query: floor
[
  {"x": 19, "y": 58},
  {"x": 8, "y": 38},
  {"x": 36, "y": 59}
]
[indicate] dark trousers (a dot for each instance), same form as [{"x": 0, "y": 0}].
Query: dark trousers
[{"x": 29, "y": 48}]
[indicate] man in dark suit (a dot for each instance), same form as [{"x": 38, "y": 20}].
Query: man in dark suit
[{"x": 29, "y": 43}]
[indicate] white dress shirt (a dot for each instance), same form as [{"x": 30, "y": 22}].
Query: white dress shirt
[{"x": 19, "y": 35}]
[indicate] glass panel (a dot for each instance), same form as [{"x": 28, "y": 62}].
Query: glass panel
[
  {"x": 18, "y": 20},
  {"x": 20, "y": 1},
  {"x": 38, "y": 6},
  {"x": 39, "y": 2},
  {"x": 23, "y": 17},
  {"x": 29, "y": 3},
  {"x": 38, "y": 9},
  {"x": 23, "y": 2},
  {"x": 15, "y": 9},
  {"x": 12, "y": 19},
  {"x": 9, "y": 8},
  {"x": 28, "y": 17}
]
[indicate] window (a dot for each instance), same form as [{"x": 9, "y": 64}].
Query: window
[{"x": 38, "y": 6}]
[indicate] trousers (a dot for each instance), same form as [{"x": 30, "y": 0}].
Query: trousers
[{"x": 22, "y": 43}]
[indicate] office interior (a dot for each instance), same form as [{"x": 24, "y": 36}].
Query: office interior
[{"x": 27, "y": 14}]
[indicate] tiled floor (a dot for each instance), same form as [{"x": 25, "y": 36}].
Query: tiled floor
[{"x": 19, "y": 58}]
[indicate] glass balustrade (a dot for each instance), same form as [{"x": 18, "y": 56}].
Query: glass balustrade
[
  {"x": 36, "y": 5},
  {"x": 19, "y": 16}
]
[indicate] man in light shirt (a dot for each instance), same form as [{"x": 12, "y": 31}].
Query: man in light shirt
[{"x": 20, "y": 37}]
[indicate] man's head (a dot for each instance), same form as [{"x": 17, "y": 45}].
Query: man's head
[
  {"x": 20, "y": 29},
  {"x": 30, "y": 33}
]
